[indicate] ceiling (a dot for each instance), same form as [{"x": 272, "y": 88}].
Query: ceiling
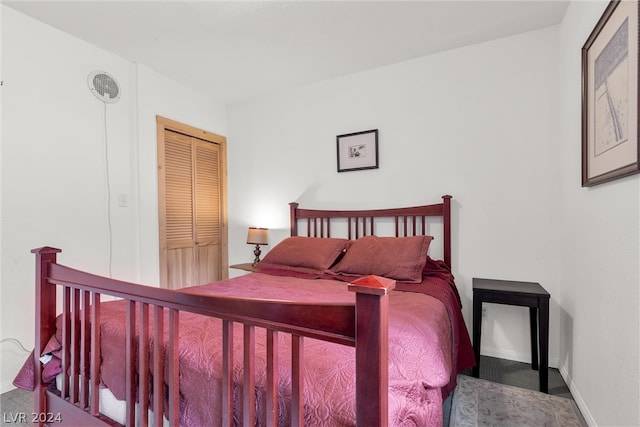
[{"x": 236, "y": 50}]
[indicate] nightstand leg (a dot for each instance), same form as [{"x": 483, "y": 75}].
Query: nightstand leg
[
  {"x": 533, "y": 323},
  {"x": 544, "y": 345},
  {"x": 477, "y": 325}
]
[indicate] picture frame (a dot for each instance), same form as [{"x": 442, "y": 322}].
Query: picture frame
[
  {"x": 358, "y": 151},
  {"x": 610, "y": 101}
]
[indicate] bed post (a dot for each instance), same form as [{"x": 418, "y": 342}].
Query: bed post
[
  {"x": 293, "y": 206},
  {"x": 446, "y": 222},
  {"x": 372, "y": 349},
  {"x": 45, "y": 320}
]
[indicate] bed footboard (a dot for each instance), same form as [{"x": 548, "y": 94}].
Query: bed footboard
[{"x": 363, "y": 325}]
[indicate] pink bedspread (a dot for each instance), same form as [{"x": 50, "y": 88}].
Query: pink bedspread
[{"x": 425, "y": 353}]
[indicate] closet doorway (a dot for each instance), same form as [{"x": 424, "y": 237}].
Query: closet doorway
[{"x": 192, "y": 207}]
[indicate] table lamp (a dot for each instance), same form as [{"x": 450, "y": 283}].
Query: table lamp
[{"x": 257, "y": 236}]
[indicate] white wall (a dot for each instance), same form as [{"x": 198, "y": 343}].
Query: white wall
[
  {"x": 497, "y": 125},
  {"x": 478, "y": 123},
  {"x": 54, "y": 188},
  {"x": 600, "y": 259}
]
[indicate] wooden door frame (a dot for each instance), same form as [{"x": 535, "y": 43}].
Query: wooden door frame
[{"x": 162, "y": 125}]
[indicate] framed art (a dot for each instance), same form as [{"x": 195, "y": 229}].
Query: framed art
[
  {"x": 610, "y": 144},
  {"x": 358, "y": 151}
]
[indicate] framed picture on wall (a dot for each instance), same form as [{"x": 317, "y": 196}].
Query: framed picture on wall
[
  {"x": 610, "y": 144},
  {"x": 358, "y": 151}
]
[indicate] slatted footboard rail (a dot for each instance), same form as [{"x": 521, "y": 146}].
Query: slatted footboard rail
[{"x": 363, "y": 325}]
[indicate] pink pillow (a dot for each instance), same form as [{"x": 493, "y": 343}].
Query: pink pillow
[
  {"x": 399, "y": 258},
  {"x": 305, "y": 254}
]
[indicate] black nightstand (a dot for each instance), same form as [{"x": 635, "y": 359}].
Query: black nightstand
[
  {"x": 246, "y": 267},
  {"x": 527, "y": 294}
]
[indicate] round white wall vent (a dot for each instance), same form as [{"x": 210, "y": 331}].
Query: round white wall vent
[{"x": 104, "y": 86}]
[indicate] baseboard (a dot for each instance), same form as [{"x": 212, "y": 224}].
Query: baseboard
[{"x": 577, "y": 396}]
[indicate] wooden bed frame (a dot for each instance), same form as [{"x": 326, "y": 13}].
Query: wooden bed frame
[{"x": 363, "y": 325}]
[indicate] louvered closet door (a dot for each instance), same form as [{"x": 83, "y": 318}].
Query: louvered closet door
[
  {"x": 192, "y": 220},
  {"x": 207, "y": 211}
]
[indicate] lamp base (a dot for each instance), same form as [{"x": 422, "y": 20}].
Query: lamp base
[{"x": 257, "y": 253}]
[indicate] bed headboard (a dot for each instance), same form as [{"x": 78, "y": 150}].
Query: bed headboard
[{"x": 411, "y": 221}]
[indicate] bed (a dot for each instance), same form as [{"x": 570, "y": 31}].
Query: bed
[{"x": 349, "y": 321}]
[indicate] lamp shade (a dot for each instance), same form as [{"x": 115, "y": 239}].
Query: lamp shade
[{"x": 258, "y": 236}]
